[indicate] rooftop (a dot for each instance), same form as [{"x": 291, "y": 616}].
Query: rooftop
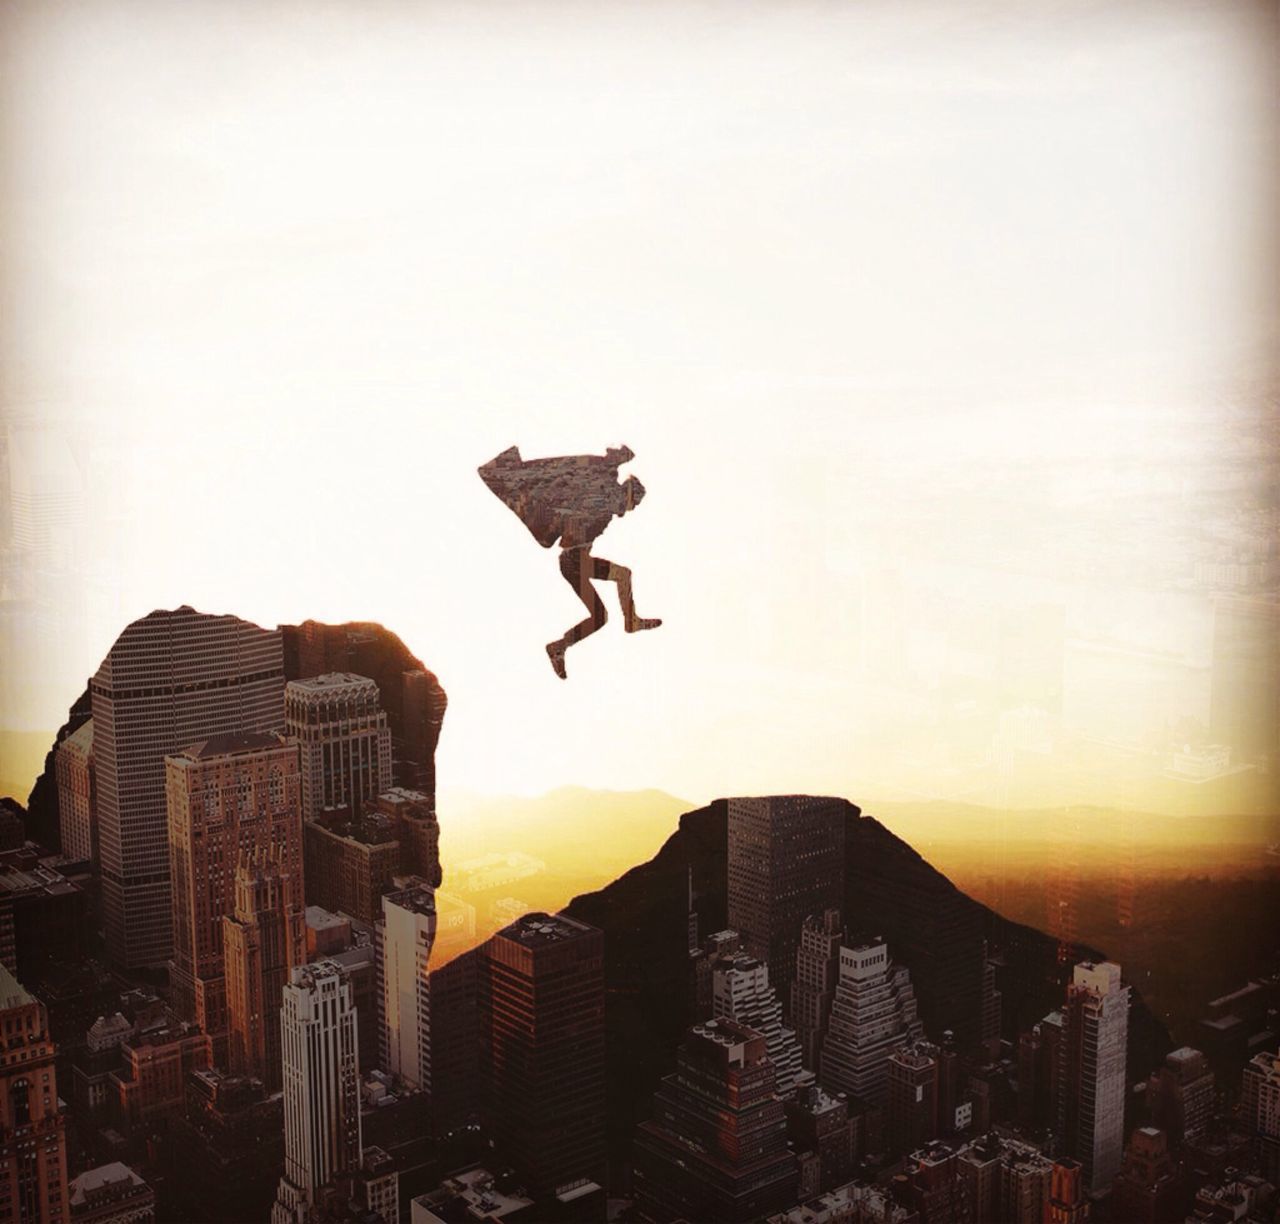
[
  {"x": 232, "y": 743},
  {"x": 331, "y": 682},
  {"x": 108, "y": 1176},
  {"x": 12, "y": 992},
  {"x": 538, "y": 930}
]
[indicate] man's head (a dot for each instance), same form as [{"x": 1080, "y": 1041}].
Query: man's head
[{"x": 632, "y": 494}]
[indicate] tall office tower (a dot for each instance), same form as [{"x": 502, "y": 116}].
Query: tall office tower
[
  {"x": 1260, "y": 1108},
  {"x": 1182, "y": 1093},
  {"x": 318, "y": 1039},
  {"x": 716, "y": 1145},
  {"x": 704, "y": 960},
  {"x": 227, "y": 795},
  {"x": 991, "y": 1000},
  {"x": 403, "y": 939},
  {"x": 350, "y": 861},
  {"x": 911, "y": 1115},
  {"x": 171, "y": 679},
  {"x": 786, "y": 861},
  {"x": 263, "y": 938},
  {"x": 33, "y": 1141},
  {"x": 541, "y": 1013},
  {"x": 455, "y": 1056},
  {"x": 817, "y": 971},
  {"x": 1091, "y": 1105},
  {"x": 73, "y": 767},
  {"x": 1068, "y": 1198},
  {"x": 872, "y": 1014},
  {"x": 1040, "y": 1076},
  {"x": 741, "y": 991},
  {"x": 413, "y": 817},
  {"x": 1147, "y": 1188},
  {"x": 345, "y": 740}
]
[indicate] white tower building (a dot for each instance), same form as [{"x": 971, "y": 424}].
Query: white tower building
[
  {"x": 1097, "y": 1034},
  {"x": 740, "y": 991},
  {"x": 404, "y": 939},
  {"x": 345, "y": 739},
  {"x": 319, "y": 1051},
  {"x": 872, "y": 1014}
]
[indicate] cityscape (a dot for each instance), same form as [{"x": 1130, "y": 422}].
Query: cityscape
[
  {"x": 861, "y": 806},
  {"x": 228, "y": 996}
]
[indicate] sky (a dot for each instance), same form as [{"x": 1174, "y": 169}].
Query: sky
[{"x": 279, "y": 278}]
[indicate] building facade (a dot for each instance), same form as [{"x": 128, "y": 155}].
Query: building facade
[
  {"x": 873, "y": 1012},
  {"x": 715, "y": 1147},
  {"x": 786, "y": 861},
  {"x": 170, "y": 679},
  {"x": 817, "y": 972},
  {"x": 73, "y": 768},
  {"x": 321, "y": 1087},
  {"x": 227, "y": 796},
  {"x": 1096, "y": 1035},
  {"x": 350, "y": 861},
  {"x": 345, "y": 740},
  {"x": 740, "y": 991},
  {"x": 541, "y": 1014},
  {"x": 33, "y": 1141},
  {"x": 403, "y": 939},
  {"x": 263, "y": 938}
]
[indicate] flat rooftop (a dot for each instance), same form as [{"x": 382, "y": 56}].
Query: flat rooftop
[{"x": 540, "y": 930}]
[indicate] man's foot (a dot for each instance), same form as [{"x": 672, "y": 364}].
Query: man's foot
[
  {"x": 637, "y": 623},
  {"x": 555, "y": 651}
]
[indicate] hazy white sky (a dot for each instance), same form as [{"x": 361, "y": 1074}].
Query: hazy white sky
[{"x": 296, "y": 270}]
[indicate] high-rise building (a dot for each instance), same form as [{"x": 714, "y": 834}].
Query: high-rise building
[
  {"x": 740, "y": 991},
  {"x": 1040, "y": 1078},
  {"x": 1260, "y": 1108},
  {"x": 263, "y": 938},
  {"x": 1091, "y": 1104},
  {"x": 413, "y": 818},
  {"x": 345, "y": 739},
  {"x": 77, "y": 819},
  {"x": 1182, "y": 1094},
  {"x": 33, "y": 1141},
  {"x": 820, "y": 1124},
  {"x": 403, "y": 939},
  {"x": 786, "y": 861},
  {"x": 703, "y": 960},
  {"x": 350, "y": 861},
  {"x": 321, "y": 1087},
  {"x": 817, "y": 972},
  {"x": 911, "y": 1112},
  {"x": 716, "y": 1145},
  {"x": 1068, "y": 1197},
  {"x": 171, "y": 679},
  {"x": 227, "y": 796},
  {"x": 541, "y": 1021},
  {"x": 872, "y": 1014},
  {"x": 1148, "y": 1189}
]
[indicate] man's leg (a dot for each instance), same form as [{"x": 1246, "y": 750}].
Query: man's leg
[
  {"x": 620, "y": 574},
  {"x": 576, "y": 564}
]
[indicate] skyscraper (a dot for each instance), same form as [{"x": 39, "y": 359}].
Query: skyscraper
[
  {"x": 318, "y": 1039},
  {"x": 872, "y": 1014},
  {"x": 171, "y": 679},
  {"x": 228, "y": 795},
  {"x": 1092, "y": 1103},
  {"x": 73, "y": 765},
  {"x": 345, "y": 740},
  {"x": 541, "y": 1011},
  {"x": 817, "y": 971},
  {"x": 740, "y": 991},
  {"x": 1182, "y": 1094},
  {"x": 404, "y": 937},
  {"x": 786, "y": 861},
  {"x": 1260, "y": 1106},
  {"x": 33, "y": 1142},
  {"x": 262, "y": 940},
  {"x": 716, "y": 1145},
  {"x": 911, "y": 1115}
]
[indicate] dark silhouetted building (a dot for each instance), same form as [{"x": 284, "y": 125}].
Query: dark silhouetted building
[
  {"x": 911, "y": 1108},
  {"x": 786, "y": 861},
  {"x": 1182, "y": 1094},
  {"x": 817, "y": 972},
  {"x": 716, "y": 1145},
  {"x": 1148, "y": 1189},
  {"x": 541, "y": 1014}
]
